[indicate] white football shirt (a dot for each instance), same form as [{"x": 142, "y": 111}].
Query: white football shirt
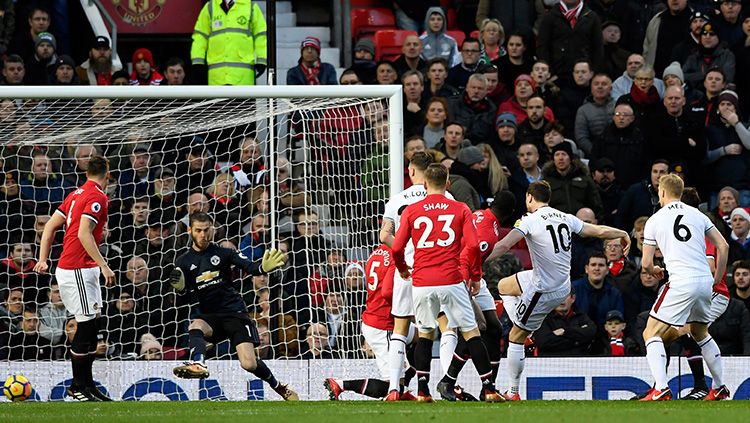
[
  {"x": 679, "y": 231},
  {"x": 549, "y": 234},
  {"x": 396, "y": 205}
]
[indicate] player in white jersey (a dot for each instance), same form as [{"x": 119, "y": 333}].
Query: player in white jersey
[
  {"x": 403, "y": 307},
  {"x": 530, "y": 295},
  {"x": 680, "y": 233}
]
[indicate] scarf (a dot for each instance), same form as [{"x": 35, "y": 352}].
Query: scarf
[
  {"x": 615, "y": 267},
  {"x": 476, "y": 106},
  {"x": 571, "y": 15},
  {"x": 644, "y": 99},
  {"x": 616, "y": 346},
  {"x": 311, "y": 74}
]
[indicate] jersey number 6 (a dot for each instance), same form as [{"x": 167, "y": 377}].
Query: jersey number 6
[{"x": 679, "y": 229}]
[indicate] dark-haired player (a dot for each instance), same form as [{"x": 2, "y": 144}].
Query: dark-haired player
[
  {"x": 530, "y": 295},
  {"x": 403, "y": 307},
  {"x": 377, "y": 325},
  {"x": 206, "y": 272},
  {"x": 84, "y": 214},
  {"x": 487, "y": 223},
  {"x": 440, "y": 229}
]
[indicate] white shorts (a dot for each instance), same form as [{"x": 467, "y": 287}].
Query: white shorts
[
  {"x": 684, "y": 301},
  {"x": 484, "y": 299},
  {"x": 379, "y": 341},
  {"x": 80, "y": 290},
  {"x": 529, "y": 310},
  {"x": 403, "y": 305},
  {"x": 719, "y": 304},
  {"x": 453, "y": 300}
]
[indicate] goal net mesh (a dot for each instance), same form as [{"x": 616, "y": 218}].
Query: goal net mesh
[{"x": 170, "y": 158}]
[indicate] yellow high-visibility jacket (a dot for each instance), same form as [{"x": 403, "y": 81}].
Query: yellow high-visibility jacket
[{"x": 230, "y": 44}]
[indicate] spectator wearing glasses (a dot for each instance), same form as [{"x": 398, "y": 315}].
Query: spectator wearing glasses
[
  {"x": 692, "y": 43},
  {"x": 625, "y": 141},
  {"x": 22, "y": 43},
  {"x": 624, "y": 83},
  {"x": 710, "y": 54},
  {"x": 621, "y": 270},
  {"x": 349, "y": 77},
  {"x": 458, "y": 76},
  {"x": 644, "y": 97}
]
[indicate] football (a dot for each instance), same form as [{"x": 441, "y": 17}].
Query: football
[{"x": 17, "y": 388}]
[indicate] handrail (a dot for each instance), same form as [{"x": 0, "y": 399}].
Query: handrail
[{"x": 103, "y": 12}]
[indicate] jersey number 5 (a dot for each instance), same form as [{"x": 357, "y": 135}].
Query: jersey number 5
[
  {"x": 559, "y": 235},
  {"x": 373, "y": 277},
  {"x": 681, "y": 232},
  {"x": 447, "y": 219}
]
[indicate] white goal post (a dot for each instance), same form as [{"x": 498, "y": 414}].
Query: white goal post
[{"x": 341, "y": 145}]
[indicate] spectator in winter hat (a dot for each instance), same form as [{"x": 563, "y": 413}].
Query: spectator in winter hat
[
  {"x": 120, "y": 77},
  {"x": 40, "y": 69},
  {"x": 310, "y": 70},
  {"x": 144, "y": 70},
  {"x": 151, "y": 349},
  {"x": 524, "y": 88},
  {"x": 739, "y": 242},
  {"x": 711, "y": 53},
  {"x": 65, "y": 71},
  {"x": 364, "y": 61},
  {"x": 691, "y": 44},
  {"x": 572, "y": 187},
  {"x": 729, "y": 22}
]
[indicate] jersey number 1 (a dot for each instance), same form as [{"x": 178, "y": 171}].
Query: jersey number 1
[{"x": 70, "y": 212}]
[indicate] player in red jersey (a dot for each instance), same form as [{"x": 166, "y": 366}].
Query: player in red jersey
[
  {"x": 84, "y": 214},
  {"x": 487, "y": 223},
  {"x": 377, "y": 326},
  {"x": 441, "y": 229}
]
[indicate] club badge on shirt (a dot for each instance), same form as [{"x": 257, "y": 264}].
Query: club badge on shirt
[{"x": 215, "y": 260}]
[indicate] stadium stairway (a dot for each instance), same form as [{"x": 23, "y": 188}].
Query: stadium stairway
[{"x": 289, "y": 36}]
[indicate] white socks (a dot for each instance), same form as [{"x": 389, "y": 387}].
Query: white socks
[
  {"x": 657, "y": 361},
  {"x": 396, "y": 357},
  {"x": 448, "y": 342},
  {"x": 712, "y": 357},
  {"x": 516, "y": 360}
]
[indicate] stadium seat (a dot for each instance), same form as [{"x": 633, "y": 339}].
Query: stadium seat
[
  {"x": 366, "y": 21},
  {"x": 474, "y": 34},
  {"x": 388, "y": 43},
  {"x": 523, "y": 256},
  {"x": 459, "y": 36},
  {"x": 451, "y": 16}
]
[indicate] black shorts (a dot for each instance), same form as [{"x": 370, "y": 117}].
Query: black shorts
[{"x": 237, "y": 327}]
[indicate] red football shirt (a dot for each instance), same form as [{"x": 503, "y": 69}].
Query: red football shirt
[
  {"x": 87, "y": 202},
  {"x": 379, "y": 270},
  {"x": 439, "y": 229},
  {"x": 488, "y": 234},
  {"x": 721, "y": 287}
]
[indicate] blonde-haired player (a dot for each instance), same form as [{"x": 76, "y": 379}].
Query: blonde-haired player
[{"x": 680, "y": 232}]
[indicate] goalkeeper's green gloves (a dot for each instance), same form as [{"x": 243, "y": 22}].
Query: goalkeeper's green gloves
[
  {"x": 177, "y": 279},
  {"x": 272, "y": 260}
]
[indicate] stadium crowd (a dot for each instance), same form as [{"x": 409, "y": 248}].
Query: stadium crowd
[{"x": 599, "y": 98}]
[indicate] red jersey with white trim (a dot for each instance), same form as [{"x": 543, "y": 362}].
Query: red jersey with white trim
[
  {"x": 721, "y": 287},
  {"x": 87, "y": 202},
  {"x": 379, "y": 271},
  {"x": 439, "y": 229},
  {"x": 488, "y": 234}
]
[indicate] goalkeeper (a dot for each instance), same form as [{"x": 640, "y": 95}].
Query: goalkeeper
[{"x": 206, "y": 272}]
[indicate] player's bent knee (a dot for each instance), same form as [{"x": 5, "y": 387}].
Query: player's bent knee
[
  {"x": 427, "y": 334},
  {"x": 249, "y": 365},
  {"x": 468, "y": 334},
  {"x": 509, "y": 286},
  {"x": 518, "y": 335}
]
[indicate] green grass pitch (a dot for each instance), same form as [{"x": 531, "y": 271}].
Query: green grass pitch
[{"x": 370, "y": 411}]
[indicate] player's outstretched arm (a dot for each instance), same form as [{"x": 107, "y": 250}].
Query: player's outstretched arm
[
  {"x": 86, "y": 236},
  {"x": 505, "y": 244},
  {"x": 53, "y": 225},
  {"x": 722, "y": 253},
  {"x": 272, "y": 260},
  {"x": 607, "y": 232}
]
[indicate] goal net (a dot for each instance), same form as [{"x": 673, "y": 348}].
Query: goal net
[{"x": 303, "y": 169}]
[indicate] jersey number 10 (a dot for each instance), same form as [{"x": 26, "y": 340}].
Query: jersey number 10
[{"x": 558, "y": 235}]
